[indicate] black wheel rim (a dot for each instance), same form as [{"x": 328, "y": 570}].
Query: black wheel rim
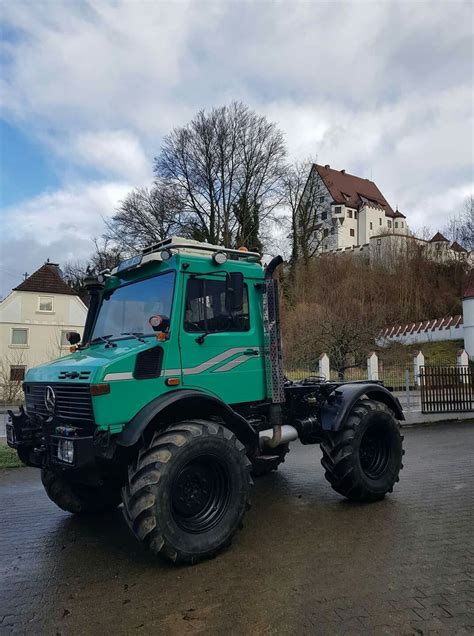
[
  {"x": 200, "y": 494},
  {"x": 374, "y": 451}
]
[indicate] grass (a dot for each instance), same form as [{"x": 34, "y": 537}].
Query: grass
[{"x": 8, "y": 456}]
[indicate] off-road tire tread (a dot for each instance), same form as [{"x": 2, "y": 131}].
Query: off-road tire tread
[
  {"x": 337, "y": 452},
  {"x": 139, "y": 500},
  {"x": 68, "y": 496}
]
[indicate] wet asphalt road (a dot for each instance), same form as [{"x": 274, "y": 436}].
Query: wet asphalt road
[{"x": 307, "y": 562}]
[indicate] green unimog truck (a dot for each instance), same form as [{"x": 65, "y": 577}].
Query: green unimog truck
[{"x": 176, "y": 395}]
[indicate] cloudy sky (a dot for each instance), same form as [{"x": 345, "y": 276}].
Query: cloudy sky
[{"x": 382, "y": 89}]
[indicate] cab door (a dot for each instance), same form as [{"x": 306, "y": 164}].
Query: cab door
[{"x": 222, "y": 353}]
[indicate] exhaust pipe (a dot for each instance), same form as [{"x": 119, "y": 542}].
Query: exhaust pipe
[{"x": 278, "y": 435}]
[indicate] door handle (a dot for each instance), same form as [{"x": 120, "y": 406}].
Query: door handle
[{"x": 251, "y": 352}]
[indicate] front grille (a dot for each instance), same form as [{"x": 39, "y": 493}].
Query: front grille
[{"x": 73, "y": 401}]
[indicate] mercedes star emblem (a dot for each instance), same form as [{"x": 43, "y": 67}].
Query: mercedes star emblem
[{"x": 50, "y": 400}]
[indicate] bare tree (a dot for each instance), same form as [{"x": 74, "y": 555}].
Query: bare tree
[
  {"x": 106, "y": 255},
  {"x": 224, "y": 161},
  {"x": 12, "y": 368},
  {"x": 306, "y": 197},
  {"x": 147, "y": 215},
  {"x": 460, "y": 227}
]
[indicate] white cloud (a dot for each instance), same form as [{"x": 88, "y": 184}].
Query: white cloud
[
  {"x": 115, "y": 152},
  {"x": 76, "y": 212}
]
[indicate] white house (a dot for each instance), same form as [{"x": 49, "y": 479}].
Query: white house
[
  {"x": 350, "y": 209},
  {"x": 34, "y": 320},
  {"x": 353, "y": 216}
]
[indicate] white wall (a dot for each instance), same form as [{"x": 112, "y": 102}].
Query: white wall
[
  {"x": 468, "y": 327},
  {"x": 20, "y": 310}
]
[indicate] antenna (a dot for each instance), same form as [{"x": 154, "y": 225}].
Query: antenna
[{"x": 25, "y": 275}]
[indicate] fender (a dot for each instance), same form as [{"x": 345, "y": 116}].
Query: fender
[
  {"x": 335, "y": 411},
  {"x": 186, "y": 403}
]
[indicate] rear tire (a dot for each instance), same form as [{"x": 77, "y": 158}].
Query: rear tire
[
  {"x": 363, "y": 460},
  {"x": 78, "y": 498},
  {"x": 188, "y": 491}
]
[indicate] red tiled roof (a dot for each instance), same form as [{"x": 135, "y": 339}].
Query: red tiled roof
[
  {"x": 469, "y": 291},
  {"x": 438, "y": 237},
  {"x": 47, "y": 279},
  {"x": 404, "y": 329},
  {"x": 350, "y": 190},
  {"x": 458, "y": 248}
]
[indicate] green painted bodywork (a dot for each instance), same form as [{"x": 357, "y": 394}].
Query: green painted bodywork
[{"x": 181, "y": 352}]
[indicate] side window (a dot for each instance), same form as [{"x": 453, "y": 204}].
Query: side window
[{"x": 205, "y": 308}]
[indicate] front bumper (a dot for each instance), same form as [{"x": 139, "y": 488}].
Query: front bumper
[{"x": 43, "y": 443}]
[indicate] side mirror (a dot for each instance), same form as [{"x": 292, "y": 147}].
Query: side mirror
[
  {"x": 159, "y": 323},
  {"x": 73, "y": 337},
  {"x": 234, "y": 292}
]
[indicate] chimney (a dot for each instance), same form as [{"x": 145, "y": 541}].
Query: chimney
[
  {"x": 343, "y": 172},
  {"x": 327, "y": 166}
]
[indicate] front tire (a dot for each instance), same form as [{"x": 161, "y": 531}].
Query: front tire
[
  {"x": 79, "y": 498},
  {"x": 188, "y": 491},
  {"x": 362, "y": 461}
]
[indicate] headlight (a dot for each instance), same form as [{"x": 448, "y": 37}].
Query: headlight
[{"x": 66, "y": 451}]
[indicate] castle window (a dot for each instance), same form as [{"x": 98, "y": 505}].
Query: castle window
[
  {"x": 389, "y": 223},
  {"x": 402, "y": 223},
  {"x": 355, "y": 214},
  {"x": 337, "y": 210},
  {"x": 325, "y": 232},
  {"x": 321, "y": 199},
  {"x": 380, "y": 221},
  {"x": 396, "y": 223},
  {"x": 324, "y": 216},
  {"x": 351, "y": 232},
  {"x": 349, "y": 214},
  {"x": 371, "y": 225}
]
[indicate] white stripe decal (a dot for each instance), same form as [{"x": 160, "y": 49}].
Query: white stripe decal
[
  {"x": 232, "y": 364},
  {"x": 221, "y": 357},
  {"x": 118, "y": 376}
]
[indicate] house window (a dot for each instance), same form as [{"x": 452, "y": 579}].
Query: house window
[
  {"x": 355, "y": 214},
  {"x": 20, "y": 337},
  {"x": 396, "y": 223},
  {"x": 351, "y": 232},
  {"x": 17, "y": 373},
  {"x": 402, "y": 223},
  {"x": 371, "y": 226},
  {"x": 324, "y": 216},
  {"x": 45, "y": 303},
  {"x": 389, "y": 223},
  {"x": 349, "y": 214},
  {"x": 337, "y": 210}
]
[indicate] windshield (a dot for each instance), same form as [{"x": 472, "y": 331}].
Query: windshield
[{"x": 128, "y": 309}]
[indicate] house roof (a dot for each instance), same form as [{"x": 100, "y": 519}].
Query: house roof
[
  {"x": 438, "y": 238},
  {"x": 352, "y": 191},
  {"x": 47, "y": 279},
  {"x": 469, "y": 291},
  {"x": 458, "y": 248}
]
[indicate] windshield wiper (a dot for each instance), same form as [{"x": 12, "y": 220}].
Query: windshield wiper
[
  {"x": 105, "y": 339},
  {"x": 135, "y": 334}
]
